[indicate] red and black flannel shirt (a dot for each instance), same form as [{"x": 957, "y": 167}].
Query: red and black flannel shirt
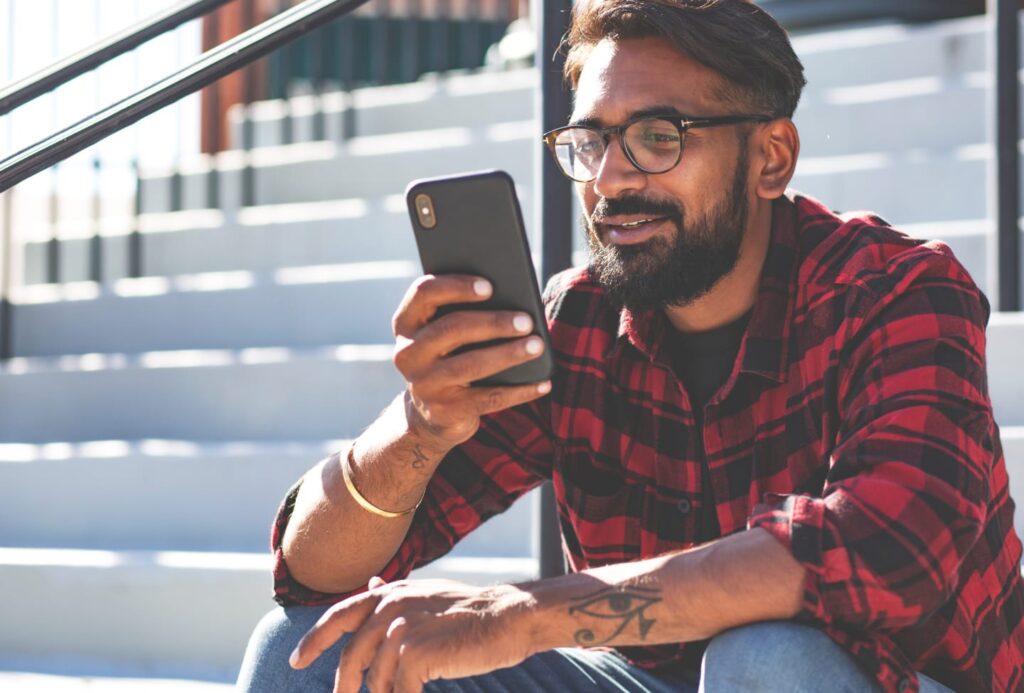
[{"x": 856, "y": 427}]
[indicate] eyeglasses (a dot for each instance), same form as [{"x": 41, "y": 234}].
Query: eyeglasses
[{"x": 654, "y": 144}]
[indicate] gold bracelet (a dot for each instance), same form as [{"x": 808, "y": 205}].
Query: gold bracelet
[{"x": 361, "y": 499}]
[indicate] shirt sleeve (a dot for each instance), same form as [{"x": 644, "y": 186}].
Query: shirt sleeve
[
  {"x": 908, "y": 481},
  {"x": 509, "y": 455}
]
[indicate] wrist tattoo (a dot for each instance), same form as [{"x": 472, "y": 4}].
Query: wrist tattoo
[
  {"x": 419, "y": 459},
  {"x": 618, "y": 607}
]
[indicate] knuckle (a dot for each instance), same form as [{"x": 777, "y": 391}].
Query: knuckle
[{"x": 491, "y": 401}]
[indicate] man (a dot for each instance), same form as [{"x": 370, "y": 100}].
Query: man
[{"x": 769, "y": 430}]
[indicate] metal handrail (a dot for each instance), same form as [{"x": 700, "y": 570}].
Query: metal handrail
[
  {"x": 208, "y": 68},
  {"x": 101, "y": 52}
]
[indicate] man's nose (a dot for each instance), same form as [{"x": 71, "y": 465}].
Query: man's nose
[{"x": 617, "y": 173}]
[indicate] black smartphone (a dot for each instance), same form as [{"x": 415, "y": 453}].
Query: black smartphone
[{"x": 471, "y": 224}]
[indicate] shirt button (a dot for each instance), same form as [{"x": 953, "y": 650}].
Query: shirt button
[
  {"x": 904, "y": 685},
  {"x": 684, "y": 505}
]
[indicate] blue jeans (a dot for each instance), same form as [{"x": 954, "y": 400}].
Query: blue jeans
[{"x": 772, "y": 656}]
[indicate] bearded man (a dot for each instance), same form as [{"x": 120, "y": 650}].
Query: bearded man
[{"x": 769, "y": 430}]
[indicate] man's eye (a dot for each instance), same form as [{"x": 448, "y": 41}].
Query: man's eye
[{"x": 655, "y": 138}]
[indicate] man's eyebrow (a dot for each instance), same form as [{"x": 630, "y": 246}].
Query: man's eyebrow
[{"x": 656, "y": 110}]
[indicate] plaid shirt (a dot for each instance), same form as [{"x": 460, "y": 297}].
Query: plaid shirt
[{"x": 855, "y": 427}]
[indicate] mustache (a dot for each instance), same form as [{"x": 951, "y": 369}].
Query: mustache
[{"x": 606, "y": 207}]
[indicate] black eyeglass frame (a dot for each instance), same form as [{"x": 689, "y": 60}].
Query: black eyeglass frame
[{"x": 682, "y": 124}]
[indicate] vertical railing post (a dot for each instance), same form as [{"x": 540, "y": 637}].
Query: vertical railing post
[
  {"x": 553, "y": 199},
  {"x": 96, "y": 240},
  {"x": 135, "y": 237},
  {"x": 248, "y": 126},
  {"x": 1006, "y": 52},
  {"x": 6, "y": 267}
]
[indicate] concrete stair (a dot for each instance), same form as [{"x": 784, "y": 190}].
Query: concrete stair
[{"x": 153, "y": 425}]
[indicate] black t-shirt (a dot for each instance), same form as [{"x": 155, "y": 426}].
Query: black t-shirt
[{"x": 703, "y": 362}]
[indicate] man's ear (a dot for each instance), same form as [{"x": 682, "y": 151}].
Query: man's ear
[{"x": 779, "y": 144}]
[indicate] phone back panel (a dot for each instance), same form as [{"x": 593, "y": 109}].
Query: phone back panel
[{"x": 479, "y": 231}]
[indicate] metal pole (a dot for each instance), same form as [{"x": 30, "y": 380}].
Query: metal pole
[
  {"x": 107, "y": 49},
  {"x": 1007, "y": 163},
  {"x": 554, "y": 212},
  {"x": 208, "y": 68}
]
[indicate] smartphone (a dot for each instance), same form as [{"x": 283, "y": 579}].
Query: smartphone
[{"x": 471, "y": 224}]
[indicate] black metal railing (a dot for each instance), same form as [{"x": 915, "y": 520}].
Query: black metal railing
[{"x": 87, "y": 59}]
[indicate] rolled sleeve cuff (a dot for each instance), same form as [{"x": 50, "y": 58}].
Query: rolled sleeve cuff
[{"x": 797, "y": 522}]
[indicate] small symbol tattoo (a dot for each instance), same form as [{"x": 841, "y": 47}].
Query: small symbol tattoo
[{"x": 623, "y": 604}]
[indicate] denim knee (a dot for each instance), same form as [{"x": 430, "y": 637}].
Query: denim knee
[
  {"x": 780, "y": 656},
  {"x": 265, "y": 668}
]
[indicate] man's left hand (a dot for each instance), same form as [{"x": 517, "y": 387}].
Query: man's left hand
[{"x": 407, "y": 633}]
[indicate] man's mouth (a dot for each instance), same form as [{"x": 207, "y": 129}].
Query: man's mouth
[{"x": 629, "y": 232}]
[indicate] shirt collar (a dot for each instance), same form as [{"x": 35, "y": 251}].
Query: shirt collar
[{"x": 765, "y": 344}]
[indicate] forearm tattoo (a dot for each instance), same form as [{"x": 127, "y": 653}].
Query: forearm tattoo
[
  {"x": 419, "y": 459},
  {"x": 618, "y": 607}
]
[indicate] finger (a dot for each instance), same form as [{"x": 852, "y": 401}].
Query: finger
[
  {"x": 359, "y": 652},
  {"x": 490, "y": 400},
  {"x": 462, "y": 328},
  {"x": 380, "y": 675},
  {"x": 428, "y": 293},
  {"x": 344, "y": 617},
  {"x": 375, "y": 581},
  {"x": 409, "y": 676},
  {"x": 477, "y": 364}
]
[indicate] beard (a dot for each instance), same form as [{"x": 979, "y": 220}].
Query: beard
[{"x": 676, "y": 271}]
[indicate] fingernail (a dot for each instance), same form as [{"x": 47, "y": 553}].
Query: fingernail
[
  {"x": 544, "y": 387},
  {"x": 534, "y": 346},
  {"x": 293, "y": 658},
  {"x": 482, "y": 287},
  {"x": 522, "y": 323}
]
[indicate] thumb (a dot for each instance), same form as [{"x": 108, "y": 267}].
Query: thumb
[{"x": 375, "y": 581}]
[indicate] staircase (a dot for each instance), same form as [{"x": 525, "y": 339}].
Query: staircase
[{"x": 152, "y": 425}]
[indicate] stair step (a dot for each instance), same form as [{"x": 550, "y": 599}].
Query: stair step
[
  {"x": 256, "y": 239},
  {"x": 869, "y": 54},
  {"x": 24, "y": 682},
  {"x": 201, "y": 395},
  {"x": 1005, "y": 376},
  {"x": 294, "y": 307},
  {"x": 181, "y": 496},
  {"x": 459, "y": 100},
  {"x": 160, "y": 613},
  {"x": 369, "y": 167}
]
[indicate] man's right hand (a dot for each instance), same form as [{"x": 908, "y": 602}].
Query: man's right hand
[{"x": 441, "y": 403}]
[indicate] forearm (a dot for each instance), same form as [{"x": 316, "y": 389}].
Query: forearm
[
  {"x": 334, "y": 545},
  {"x": 681, "y": 597}
]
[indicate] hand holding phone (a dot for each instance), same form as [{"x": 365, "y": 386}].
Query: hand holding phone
[{"x": 464, "y": 348}]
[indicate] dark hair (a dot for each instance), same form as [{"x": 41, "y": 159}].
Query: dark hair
[{"x": 735, "y": 38}]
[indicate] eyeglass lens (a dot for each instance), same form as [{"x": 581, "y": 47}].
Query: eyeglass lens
[{"x": 653, "y": 144}]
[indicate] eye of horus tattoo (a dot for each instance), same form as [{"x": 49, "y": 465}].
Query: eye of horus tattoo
[{"x": 619, "y": 606}]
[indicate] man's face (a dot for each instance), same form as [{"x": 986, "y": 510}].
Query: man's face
[{"x": 693, "y": 217}]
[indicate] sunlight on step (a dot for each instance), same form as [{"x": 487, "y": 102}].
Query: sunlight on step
[
  {"x": 188, "y": 358},
  {"x": 263, "y": 355},
  {"x": 52, "y": 293},
  {"x": 884, "y": 91},
  {"x": 364, "y": 352},
  {"x": 825, "y": 165},
  {"x": 346, "y": 272},
  {"x": 398, "y": 143},
  {"x": 142, "y": 286},
  {"x": 191, "y": 560},
  {"x": 518, "y": 130},
  {"x": 216, "y": 281},
  {"x": 186, "y": 220},
  {"x": 69, "y": 558},
  {"x": 294, "y": 212},
  {"x": 949, "y": 229}
]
